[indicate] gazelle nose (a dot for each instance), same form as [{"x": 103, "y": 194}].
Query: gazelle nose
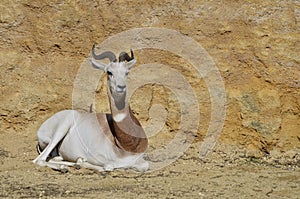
[{"x": 121, "y": 88}]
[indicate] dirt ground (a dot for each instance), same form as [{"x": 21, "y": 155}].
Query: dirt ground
[{"x": 218, "y": 176}]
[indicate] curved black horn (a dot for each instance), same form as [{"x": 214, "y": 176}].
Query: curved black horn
[
  {"x": 132, "y": 55},
  {"x": 107, "y": 54},
  {"x": 125, "y": 57}
]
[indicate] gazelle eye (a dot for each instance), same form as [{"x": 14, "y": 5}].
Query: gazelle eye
[{"x": 109, "y": 73}]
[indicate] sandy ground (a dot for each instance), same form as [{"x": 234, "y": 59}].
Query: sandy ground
[{"x": 188, "y": 177}]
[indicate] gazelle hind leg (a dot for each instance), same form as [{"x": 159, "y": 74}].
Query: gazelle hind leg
[
  {"x": 54, "y": 153},
  {"x": 57, "y": 136}
]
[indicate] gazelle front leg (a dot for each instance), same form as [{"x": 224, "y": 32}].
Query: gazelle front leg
[
  {"x": 58, "y": 163},
  {"x": 141, "y": 165},
  {"x": 82, "y": 163}
]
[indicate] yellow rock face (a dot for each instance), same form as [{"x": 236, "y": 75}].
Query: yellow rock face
[{"x": 254, "y": 44}]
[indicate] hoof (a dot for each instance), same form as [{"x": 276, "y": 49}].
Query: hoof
[
  {"x": 142, "y": 166},
  {"x": 77, "y": 166},
  {"x": 108, "y": 168},
  {"x": 64, "y": 170}
]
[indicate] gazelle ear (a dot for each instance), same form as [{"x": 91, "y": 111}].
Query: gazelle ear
[
  {"x": 98, "y": 65},
  {"x": 130, "y": 63}
]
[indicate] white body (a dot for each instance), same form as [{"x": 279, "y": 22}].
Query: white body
[{"x": 83, "y": 140}]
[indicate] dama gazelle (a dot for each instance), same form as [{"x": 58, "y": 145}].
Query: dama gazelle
[{"x": 96, "y": 141}]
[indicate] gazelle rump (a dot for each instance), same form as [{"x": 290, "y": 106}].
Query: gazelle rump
[{"x": 97, "y": 141}]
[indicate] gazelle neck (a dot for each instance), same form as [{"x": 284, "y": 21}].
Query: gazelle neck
[
  {"x": 118, "y": 105},
  {"x": 129, "y": 134}
]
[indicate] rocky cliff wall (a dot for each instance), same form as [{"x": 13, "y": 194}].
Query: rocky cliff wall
[{"x": 254, "y": 44}]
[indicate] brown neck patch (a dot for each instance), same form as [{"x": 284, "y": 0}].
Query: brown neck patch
[{"x": 128, "y": 133}]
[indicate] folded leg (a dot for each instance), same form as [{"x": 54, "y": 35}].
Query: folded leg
[{"x": 60, "y": 132}]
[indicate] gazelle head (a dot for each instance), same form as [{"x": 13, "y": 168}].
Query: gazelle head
[{"x": 117, "y": 72}]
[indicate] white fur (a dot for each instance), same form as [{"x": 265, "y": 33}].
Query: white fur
[
  {"x": 84, "y": 144},
  {"x": 119, "y": 117}
]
